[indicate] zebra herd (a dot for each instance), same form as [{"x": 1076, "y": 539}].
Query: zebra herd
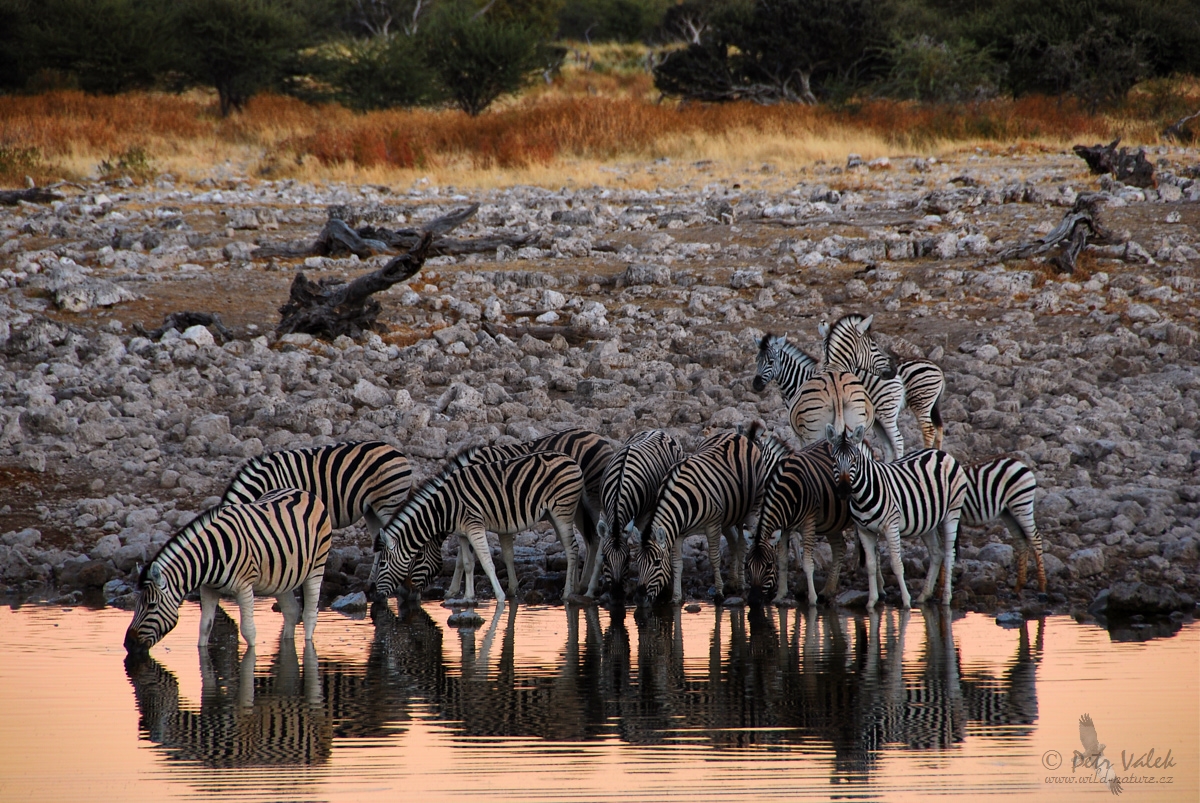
[{"x": 633, "y": 504}]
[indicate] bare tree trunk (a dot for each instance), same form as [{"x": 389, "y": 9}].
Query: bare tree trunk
[
  {"x": 1126, "y": 167},
  {"x": 33, "y": 195}
]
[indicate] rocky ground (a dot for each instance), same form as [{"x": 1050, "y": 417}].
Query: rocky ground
[{"x": 631, "y": 310}]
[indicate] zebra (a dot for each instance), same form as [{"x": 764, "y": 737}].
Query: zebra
[
  {"x": 271, "y": 546},
  {"x": 833, "y": 397},
  {"x": 713, "y": 491},
  {"x": 783, "y": 362},
  {"x": 914, "y": 496},
  {"x": 847, "y": 344},
  {"x": 506, "y": 496},
  {"x": 367, "y": 480},
  {"x": 1004, "y": 489},
  {"x": 792, "y": 368},
  {"x": 628, "y": 492},
  {"x": 590, "y": 450},
  {"x": 798, "y": 496}
]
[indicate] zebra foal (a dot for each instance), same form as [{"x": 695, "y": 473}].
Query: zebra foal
[
  {"x": 628, "y": 492},
  {"x": 713, "y": 491},
  {"x": 918, "y": 495},
  {"x": 268, "y": 547},
  {"x": 505, "y": 496},
  {"x": 354, "y": 480},
  {"x": 799, "y": 496}
]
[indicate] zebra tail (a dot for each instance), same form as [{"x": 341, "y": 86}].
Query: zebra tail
[
  {"x": 590, "y": 522},
  {"x": 935, "y": 413}
]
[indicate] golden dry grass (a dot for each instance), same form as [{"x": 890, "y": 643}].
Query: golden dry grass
[{"x": 590, "y": 126}]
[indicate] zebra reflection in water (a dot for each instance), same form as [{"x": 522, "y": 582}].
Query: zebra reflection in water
[{"x": 243, "y": 720}]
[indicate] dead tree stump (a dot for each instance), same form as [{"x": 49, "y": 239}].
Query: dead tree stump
[
  {"x": 330, "y": 308},
  {"x": 1126, "y": 167}
]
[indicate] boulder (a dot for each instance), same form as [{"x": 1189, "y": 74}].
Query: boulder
[{"x": 1086, "y": 562}]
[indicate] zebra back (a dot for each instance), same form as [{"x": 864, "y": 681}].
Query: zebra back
[
  {"x": 848, "y": 346},
  {"x": 271, "y": 545},
  {"x": 503, "y": 496},
  {"x": 831, "y": 397},
  {"x": 352, "y": 479},
  {"x": 783, "y": 362},
  {"x": 924, "y": 384},
  {"x": 1005, "y": 489},
  {"x": 589, "y": 449}
]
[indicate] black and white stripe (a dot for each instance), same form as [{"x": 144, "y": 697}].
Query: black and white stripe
[
  {"x": 505, "y": 496},
  {"x": 836, "y": 398},
  {"x": 1004, "y": 489},
  {"x": 799, "y": 497},
  {"x": 713, "y": 491},
  {"x": 268, "y": 547},
  {"x": 918, "y": 495},
  {"x": 354, "y": 480},
  {"x": 590, "y": 450},
  {"x": 628, "y": 493},
  {"x": 783, "y": 362},
  {"x": 848, "y": 345}
]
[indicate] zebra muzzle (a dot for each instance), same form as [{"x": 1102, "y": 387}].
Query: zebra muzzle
[{"x": 133, "y": 645}]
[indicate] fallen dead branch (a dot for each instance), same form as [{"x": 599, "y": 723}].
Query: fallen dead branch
[
  {"x": 1128, "y": 168},
  {"x": 33, "y": 195},
  {"x": 180, "y": 321},
  {"x": 1070, "y": 236}
]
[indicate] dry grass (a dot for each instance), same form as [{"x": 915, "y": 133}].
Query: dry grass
[{"x": 590, "y": 126}]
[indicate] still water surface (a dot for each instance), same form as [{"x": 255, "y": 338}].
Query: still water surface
[{"x": 580, "y": 705}]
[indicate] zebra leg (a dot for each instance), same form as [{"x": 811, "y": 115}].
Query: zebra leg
[
  {"x": 478, "y": 536},
  {"x": 889, "y": 434},
  {"x": 934, "y": 548},
  {"x": 737, "y": 557},
  {"x": 245, "y": 600},
  {"x": 460, "y": 568},
  {"x": 892, "y": 535},
  {"x": 949, "y": 536},
  {"x": 246, "y": 679},
  {"x": 466, "y": 557},
  {"x": 208, "y": 613},
  {"x": 867, "y": 539},
  {"x": 782, "y": 548},
  {"x": 291, "y": 612},
  {"x": 597, "y": 570},
  {"x": 312, "y": 675},
  {"x": 837, "y": 544},
  {"x": 566, "y": 536},
  {"x": 312, "y": 596},
  {"x": 510, "y": 565},
  {"x": 713, "y": 533},
  {"x": 677, "y": 571},
  {"x": 809, "y": 562}
]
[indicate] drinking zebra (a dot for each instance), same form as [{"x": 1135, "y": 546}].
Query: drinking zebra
[
  {"x": 713, "y": 491},
  {"x": 914, "y": 496},
  {"x": 271, "y": 546},
  {"x": 505, "y": 496},
  {"x": 798, "y": 497},
  {"x": 628, "y": 493},
  {"x": 1004, "y": 489},
  {"x": 847, "y": 343},
  {"x": 590, "y": 450},
  {"x": 794, "y": 370},
  {"x": 367, "y": 480}
]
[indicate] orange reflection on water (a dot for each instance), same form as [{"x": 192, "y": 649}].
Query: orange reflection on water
[{"x": 555, "y": 704}]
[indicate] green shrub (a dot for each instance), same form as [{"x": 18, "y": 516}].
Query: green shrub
[
  {"x": 377, "y": 73},
  {"x": 922, "y": 68}
]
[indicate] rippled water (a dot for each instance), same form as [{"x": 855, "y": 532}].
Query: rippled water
[{"x": 580, "y": 704}]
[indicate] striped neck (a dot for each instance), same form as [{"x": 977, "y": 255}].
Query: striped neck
[{"x": 793, "y": 367}]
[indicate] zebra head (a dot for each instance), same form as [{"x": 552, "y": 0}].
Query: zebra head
[
  {"x": 393, "y": 569},
  {"x": 767, "y": 361},
  {"x": 614, "y": 551},
  {"x": 157, "y": 610},
  {"x": 847, "y": 456},
  {"x": 760, "y": 565},
  {"x": 654, "y": 564},
  {"x": 848, "y": 346}
]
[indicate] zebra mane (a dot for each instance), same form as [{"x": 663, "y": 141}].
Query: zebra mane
[
  {"x": 851, "y": 320},
  {"x": 180, "y": 535}
]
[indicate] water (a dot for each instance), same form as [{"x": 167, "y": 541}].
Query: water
[{"x": 578, "y": 705}]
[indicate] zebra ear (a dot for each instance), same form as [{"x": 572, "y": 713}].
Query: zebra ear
[
  {"x": 602, "y": 528},
  {"x": 775, "y": 536},
  {"x": 660, "y": 535},
  {"x": 154, "y": 575},
  {"x": 830, "y": 433},
  {"x": 386, "y": 540},
  {"x": 865, "y": 323},
  {"x": 823, "y": 328},
  {"x": 857, "y": 435}
]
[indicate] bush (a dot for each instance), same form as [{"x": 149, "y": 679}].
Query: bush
[
  {"x": 611, "y": 20},
  {"x": 236, "y": 46},
  {"x": 782, "y": 50},
  {"x": 374, "y": 74},
  {"x": 922, "y": 68},
  {"x": 476, "y": 60}
]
